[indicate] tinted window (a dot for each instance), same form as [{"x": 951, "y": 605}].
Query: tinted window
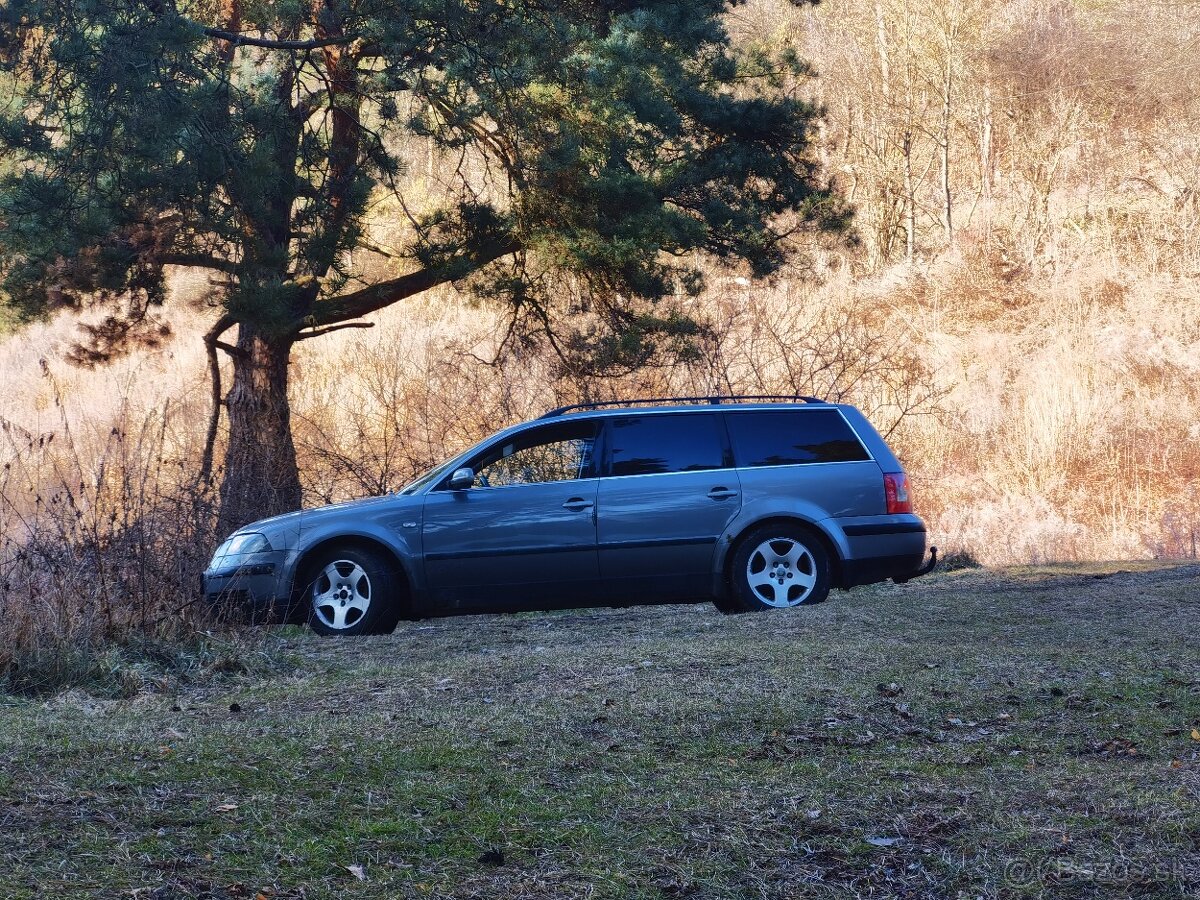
[
  {"x": 786, "y": 438},
  {"x": 654, "y": 445},
  {"x": 557, "y": 453}
]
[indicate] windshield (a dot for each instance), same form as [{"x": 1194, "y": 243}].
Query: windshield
[{"x": 428, "y": 478}]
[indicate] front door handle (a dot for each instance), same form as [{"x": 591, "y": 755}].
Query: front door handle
[
  {"x": 721, "y": 493},
  {"x": 578, "y": 504}
]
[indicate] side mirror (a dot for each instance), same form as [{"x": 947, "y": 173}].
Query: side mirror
[{"x": 462, "y": 479}]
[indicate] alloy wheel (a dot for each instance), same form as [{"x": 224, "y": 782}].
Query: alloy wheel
[
  {"x": 341, "y": 595},
  {"x": 781, "y": 572}
]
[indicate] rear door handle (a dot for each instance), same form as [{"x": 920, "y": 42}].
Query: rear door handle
[
  {"x": 578, "y": 504},
  {"x": 721, "y": 493}
]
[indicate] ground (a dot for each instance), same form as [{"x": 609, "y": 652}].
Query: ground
[{"x": 1020, "y": 732}]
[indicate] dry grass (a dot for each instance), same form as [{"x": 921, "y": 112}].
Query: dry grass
[
  {"x": 1020, "y": 733},
  {"x": 1072, "y": 423}
]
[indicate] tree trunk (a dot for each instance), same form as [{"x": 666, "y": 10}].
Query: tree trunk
[{"x": 261, "y": 478}]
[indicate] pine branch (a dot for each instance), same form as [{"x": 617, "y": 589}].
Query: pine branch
[
  {"x": 304, "y": 336},
  {"x": 200, "y": 261},
  {"x": 378, "y": 296},
  {"x": 237, "y": 39}
]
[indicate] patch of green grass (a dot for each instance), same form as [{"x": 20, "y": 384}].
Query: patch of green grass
[
  {"x": 128, "y": 669},
  {"x": 998, "y": 734}
]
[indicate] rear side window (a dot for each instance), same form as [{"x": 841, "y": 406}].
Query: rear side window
[
  {"x": 656, "y": 445},
  {"x": 788, "y": 438}
]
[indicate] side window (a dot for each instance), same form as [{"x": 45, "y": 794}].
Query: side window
[
  {"x": 788, "y": 438},
  {"x": 656, "y": 445},
  {"x": 560, "y": 452}
]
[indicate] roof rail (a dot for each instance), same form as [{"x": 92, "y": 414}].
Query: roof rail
[{"x": 715, "y": 401}]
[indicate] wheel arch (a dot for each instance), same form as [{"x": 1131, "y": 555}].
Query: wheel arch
[
  {"x": 735, "y": 542},
  {"x": 361, "y": 541}
]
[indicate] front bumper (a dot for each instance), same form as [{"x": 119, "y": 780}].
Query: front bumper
[{"x": 253, "y": 587}]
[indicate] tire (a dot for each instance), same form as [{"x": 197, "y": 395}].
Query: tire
[
  {"x": 350, "y": 591},
  {"x": 776, "y": 567}
]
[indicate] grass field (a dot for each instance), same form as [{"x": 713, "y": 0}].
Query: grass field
[{"x": 1017, "y": 732}]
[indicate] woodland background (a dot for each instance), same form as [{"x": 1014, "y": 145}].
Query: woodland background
[{"x": 1020, "y": 315}]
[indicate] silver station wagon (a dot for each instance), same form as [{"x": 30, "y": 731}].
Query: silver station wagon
[{"x": 751, "y": 504}]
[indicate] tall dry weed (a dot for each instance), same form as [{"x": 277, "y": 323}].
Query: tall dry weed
[{"x": 105, "y": 531}]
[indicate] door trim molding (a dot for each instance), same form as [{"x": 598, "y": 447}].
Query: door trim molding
[{"x": 512, "y": 551}]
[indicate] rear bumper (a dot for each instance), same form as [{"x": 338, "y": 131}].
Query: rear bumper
[
  {"x": 917, "y": 573},
  {"x": 857, "y": 572},
  {"x": 881, "y": 547}
]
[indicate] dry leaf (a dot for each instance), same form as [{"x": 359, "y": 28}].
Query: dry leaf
[
  {"x": 1196, "y": 734},
  {"x": 1116, "y": 747},
  {"x": 357, "y": 871},
  {"x": 227, "y": 807}
]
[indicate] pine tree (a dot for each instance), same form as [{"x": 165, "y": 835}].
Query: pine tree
[{"x": 250, "y": 138}]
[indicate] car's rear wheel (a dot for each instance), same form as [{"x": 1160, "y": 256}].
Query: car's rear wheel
[
  {"x": 776, "y": 567},
  {"x": 352, "y": 591}
]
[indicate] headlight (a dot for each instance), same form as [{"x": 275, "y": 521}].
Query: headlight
[{"x": 241, "y": 545}]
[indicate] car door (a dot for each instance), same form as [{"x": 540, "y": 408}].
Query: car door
[
  {"x": 524, "y": 534},
  {"x": 667, "y": 493}
]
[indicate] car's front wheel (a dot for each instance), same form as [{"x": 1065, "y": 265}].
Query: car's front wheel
[
  {"x": 351, "y": 591},
  {"x": 778, "y": 566}
]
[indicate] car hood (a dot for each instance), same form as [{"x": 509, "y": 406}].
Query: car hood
[
  {"x": 309, "y": 517},
  {"x": 294, "y": 522}
]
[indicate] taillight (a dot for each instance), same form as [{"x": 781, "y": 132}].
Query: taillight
[{"x": 895, "y": 489}]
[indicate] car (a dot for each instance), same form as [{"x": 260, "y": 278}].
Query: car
[{"x": 754, "y": 503}]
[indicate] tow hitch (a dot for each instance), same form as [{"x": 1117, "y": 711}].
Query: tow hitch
[{"x": 924, "y": 570}]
